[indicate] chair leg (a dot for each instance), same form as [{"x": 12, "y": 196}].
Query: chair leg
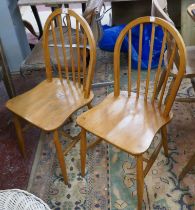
[
  {"x": 19, "y": 134},
  {"x": 83, "y": 151},
  {"x": 89, "y": 106},
  {"x": 60, "y": 156},
  {"x": 140, "y": 181},
  {"x": 188, "y": 167},
  {"x": 164, "y": 140}
]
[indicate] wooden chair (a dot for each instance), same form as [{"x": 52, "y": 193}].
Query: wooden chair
[
  {"x": 130, "y": 120},
  {"x": 159, "y": 9},
  {"x": 35, "y": 61},
  {"x": 54, "y": 100}
]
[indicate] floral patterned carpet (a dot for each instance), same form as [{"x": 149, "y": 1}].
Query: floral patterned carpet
[{"x": 110, "y": 175}]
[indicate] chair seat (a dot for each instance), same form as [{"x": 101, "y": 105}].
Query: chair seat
[
  {"x": 190, "y": 63},
  {"x": 124, "y": 122},
  {"x": 49, "y": 104}
]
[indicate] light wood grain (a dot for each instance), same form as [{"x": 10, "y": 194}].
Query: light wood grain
[
  {"x": 140, "y": 181},
  {"x": 152, "y": 159},
  {"x": 63, "y": 47},
  {"x": 84, "y": 62},
  {"x": 49, "y": 104},
  {"x": 150, "y": 61},
  {"x": 53, "y": 101},
  {"x": 60, "y": 156},
  {"x": 19, "y": 134},
  {"x": 125, "y": 122},
  {"x": 71, "y": 48},
  {"x": 78, "y": 52},
  {"x": 56, "y": 50},
  {"x": 130, "y": 121},
  {"x": 164, "y": 140},
  {"x": 83, "y": 151},
  {"x": 139, "y": 59},
  {"x": 129, "y": 62},
  {"x": 158, "y": 72},
  {"x": 168, "y": 70},
  {"x": 35, "y": 61}
]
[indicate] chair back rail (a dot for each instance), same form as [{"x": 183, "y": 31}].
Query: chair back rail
[
  {"x": 168, "y": 31},
  {"x": 82, "y": 50}
]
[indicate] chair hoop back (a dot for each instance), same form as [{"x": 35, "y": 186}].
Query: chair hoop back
[
  {"x": 167, "y": 29},
  {"x": 74, "y": 52}
]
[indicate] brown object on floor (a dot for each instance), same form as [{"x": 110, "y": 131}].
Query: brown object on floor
[
  {"x": 130, "y": 120},
  {"x": 159, "y": 9},
  {"x": 53, "y": 101}
]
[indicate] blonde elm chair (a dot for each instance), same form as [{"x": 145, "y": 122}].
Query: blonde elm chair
[
  {"x": 130, "y": 120},
  {"x": 53, "y": 101}
]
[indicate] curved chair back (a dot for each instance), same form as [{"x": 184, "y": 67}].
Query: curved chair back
[
  {"x": 76, "y": 62},
  {"x": 168, "y": 31}
]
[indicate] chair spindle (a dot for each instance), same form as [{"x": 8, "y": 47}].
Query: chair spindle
[
  {"x": 56, "y": 50},
  {"x": 78, "y": 53},
  {"x": 129, "y": 62},
  {"x": 169, "y": 67},
  {"x": 157, "y": 75},
  {"x": 139, "y": 59},
  {"x": 84, "y": 60},
  {"x": 150, "y": 60},
  {"x": 71, "y": 48},
  {"x": 63, "y": 47}
]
